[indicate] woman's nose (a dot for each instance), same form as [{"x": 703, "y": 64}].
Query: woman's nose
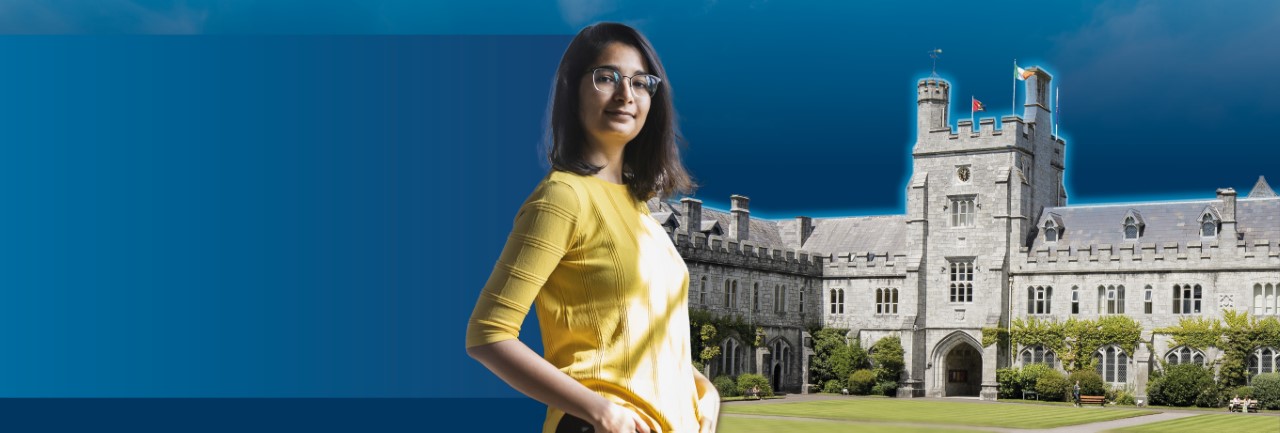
[{"x": 624, "y": 92}]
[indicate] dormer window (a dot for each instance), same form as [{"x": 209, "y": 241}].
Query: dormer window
[
  {"x": 1208, "y": 223},
  {"x": 1208, "y": 228},
  {"x": 1133, "y": 225},
  {"x": 1050, "y": 232}
]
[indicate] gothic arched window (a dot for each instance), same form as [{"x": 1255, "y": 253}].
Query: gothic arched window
[{"x": 1112, "y": 364}]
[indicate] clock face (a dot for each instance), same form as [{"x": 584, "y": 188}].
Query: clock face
[{"x": 963, "y": 174}]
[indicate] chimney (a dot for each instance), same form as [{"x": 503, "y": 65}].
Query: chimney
[
  {"x": 804, "y": 227},
  {"x": 740, "y": 224},
  {"x": 1228, "y": 197},
  {"x": 692, "y": 216}
]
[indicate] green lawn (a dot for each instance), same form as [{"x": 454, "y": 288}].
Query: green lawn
[
  {"x": 1234, "y": 423},
  {"x": 955, "y": 413},
  {"x": 731, "y": 424}
]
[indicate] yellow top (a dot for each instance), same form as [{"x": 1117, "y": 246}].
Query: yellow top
[{"x": 612, "y": 298}]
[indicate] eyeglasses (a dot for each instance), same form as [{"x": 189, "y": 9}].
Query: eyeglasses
[{"x": 610, "y": 80}]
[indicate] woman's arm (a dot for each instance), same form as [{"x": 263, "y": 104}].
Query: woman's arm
[
  {"x": 708, "y": 402},
  {"x": 532, "y": 375}
]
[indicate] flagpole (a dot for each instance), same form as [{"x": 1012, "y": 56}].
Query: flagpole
[
  {"x": 1013, "y": 99},
  {"x": 1056, "y": 106},
  {"x": 971, "y": 125}
]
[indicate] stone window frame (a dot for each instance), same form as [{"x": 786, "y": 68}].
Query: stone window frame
[
  {"x": 1051, "y": 232},
  {"x": 1112, "y": 363},
  {"x": 1111, "y": 299},
  {"x": 1188, "y": 298},
  {"x": 1209, "y": 220},
  {"x": 1263, "y": 358},
  {"x": 732, "y": 353},
  {"x": 1133, "y": 226},
  {"x": 779, "y": 298},
  {"x": 964, "y": 213},
  {"x": 886, "y": 300},
  {"x": 963, "y": 274},
  {"x": 1266, "y": 299},
  {"x": 755, "y": 296},
  {"x": 782, "y": 353},
  {"x": 803, "y": 288},
  {"x": 702, "y": 291},
  {"x": 837, "y": 301},
  {"x": 730, "y": 293},
  {"x": 1148, "y": 299},
  {"x": 1039, "y": 300},
  {"x": 1038, "y": 354},
  {"x": 1075, "y": 299},
  {"x": 1184, "y": 355}
]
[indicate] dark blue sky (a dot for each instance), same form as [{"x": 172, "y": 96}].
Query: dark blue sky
[{"x": 789, "y": 102}]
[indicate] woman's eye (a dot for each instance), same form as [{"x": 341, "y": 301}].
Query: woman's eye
[{"x": 604, "y": 79}]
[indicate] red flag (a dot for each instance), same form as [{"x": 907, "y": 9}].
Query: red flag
[{"x": 977, "y": 105}]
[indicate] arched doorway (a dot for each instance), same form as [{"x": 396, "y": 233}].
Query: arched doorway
[
  {"x": 777, "y": 377},
  {"x": 960, "y": 357}
]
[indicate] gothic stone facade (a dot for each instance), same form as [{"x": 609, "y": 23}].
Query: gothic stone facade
[{"x": 987, "y": 237}]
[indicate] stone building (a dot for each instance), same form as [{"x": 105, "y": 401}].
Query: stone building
[{"x": 987, "y": 236}]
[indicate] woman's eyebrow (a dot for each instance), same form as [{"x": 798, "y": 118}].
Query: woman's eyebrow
[{"x": 616, "y": 68}]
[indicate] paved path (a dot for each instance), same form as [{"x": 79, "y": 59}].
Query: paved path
[{"x": 1166, "y": 414}]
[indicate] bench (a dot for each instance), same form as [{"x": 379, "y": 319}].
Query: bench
[
  {"x": 1028, "y": 395},
  {"x": 1093, "y": 399},
  {"x": 1238, "y": 407}
]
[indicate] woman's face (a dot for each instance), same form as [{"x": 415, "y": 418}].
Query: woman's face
[{"x": 614, "y": 114}]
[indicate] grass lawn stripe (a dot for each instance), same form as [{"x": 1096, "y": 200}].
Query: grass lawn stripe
[
  {"x": 731, "y": 424},
  {"x": 957, "y": 413},
  {"x": 1236, "y": 423}
]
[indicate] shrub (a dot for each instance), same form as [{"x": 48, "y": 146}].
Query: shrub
[
  {"x": 1182, "y": 385},
  {"x": 861, "y": 382},
  {"x": 1090, "y": 382},
  {"x": 833, "y": 386},
  {"x": 1030, "y": 374},
  {"x": 1052, "y": 385},
  {"x": 1124, "y": 396},
  {"x": 1243, "y": 392},
  {"x": 725, "y": 386},
  {"x": 834, "y": 359},
  {"x": 1210, "y": 396},
  {"x": 1007, "y": 379},
  {"x": 748, "y": 380},
  {"x": 1266, "y": 389},
  {"x": 886, "y": 388},
  {"x": 888, "y": 358}
]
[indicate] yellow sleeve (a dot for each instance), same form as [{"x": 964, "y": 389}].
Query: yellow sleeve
[{"x": 543, "y": 231}]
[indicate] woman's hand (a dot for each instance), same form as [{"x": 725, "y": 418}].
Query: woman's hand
[
  {"x": 618, "y": 419},
  {"x": 708, "y": 403}
]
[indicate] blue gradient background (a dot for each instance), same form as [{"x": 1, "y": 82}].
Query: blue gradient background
[{"x": 302, "y": 199}]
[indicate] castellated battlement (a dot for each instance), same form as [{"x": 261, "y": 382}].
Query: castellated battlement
[
  {"x": 746, "y": 254},
  {"x": 1255, "y": 254},
  {"x": 866, "y": 264}
]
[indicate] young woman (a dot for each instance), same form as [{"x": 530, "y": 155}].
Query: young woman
[{"x": 610, "y": 288}]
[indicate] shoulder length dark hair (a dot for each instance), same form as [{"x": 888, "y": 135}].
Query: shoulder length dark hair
[{"x": 651, "y": 161}]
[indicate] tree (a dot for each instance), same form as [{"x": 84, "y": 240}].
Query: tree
[{"x": 888, "y": 357}]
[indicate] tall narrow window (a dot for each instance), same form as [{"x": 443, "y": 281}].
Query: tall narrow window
[
  {"x": 962, "y": 281},
  {"x": 755, "y": 297},
  {"x": 1186, "y": 298},
  {"x": 728, "y": 294},
  {"x": 1264, "y": 299},
  {"x": 962, "y": 211},
  {"x": 886, "y": 301},
  {"x": 1112, "y": 364},
  {"x": 1038, "y": 298},
  {"x": 731, "y": 356},
  {"x": 803, "y": 289},
  {"x": 1146, "y": 300},
  {"x": 779, "y": 299},
  {"x": 837, "y": 301},
  {"x": 1075, "y": 300},
  {"x": 1111, "y": 299},
  {"x": 702, "y": 291}
]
